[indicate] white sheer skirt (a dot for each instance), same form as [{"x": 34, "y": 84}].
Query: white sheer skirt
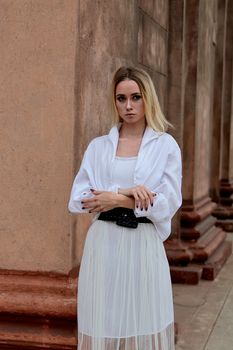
[{"x": 124, "y": 290}]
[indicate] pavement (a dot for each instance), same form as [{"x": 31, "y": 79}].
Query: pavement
[{"x": 204, "y": 312}]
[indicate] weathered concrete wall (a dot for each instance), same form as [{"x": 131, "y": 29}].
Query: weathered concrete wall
[{"x": 37, "y": 70}]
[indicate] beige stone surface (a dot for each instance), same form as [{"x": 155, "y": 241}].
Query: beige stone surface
[{"x": 37, "y": 47}]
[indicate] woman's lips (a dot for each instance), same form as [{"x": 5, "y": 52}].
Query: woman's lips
[{"x": 130, "y": 114}]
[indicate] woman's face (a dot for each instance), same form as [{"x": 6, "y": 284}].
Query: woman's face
[{"x": 129, "y": 102}]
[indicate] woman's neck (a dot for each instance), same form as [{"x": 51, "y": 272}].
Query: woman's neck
[{"x": 132, "y": 131}]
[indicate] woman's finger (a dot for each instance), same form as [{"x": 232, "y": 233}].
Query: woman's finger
[
  {"x": 149, "y": 195},
  {"x": 89, "y": 203},
  {"x": 96, "y": 191},
  {"x": 151, "y": 198},
  {"x": 138, "y": 198},
  {"x": 148, "y": 202},
  {"x": 135, "y": 195},
  {"x": 88, "y": 200},
  {"x": 143, "y": 196},
  {"x": 96, "y": 209}
]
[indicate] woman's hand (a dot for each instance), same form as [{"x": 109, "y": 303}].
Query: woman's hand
[
  {"x": 102, "y": 201},
  {"x": 142, "y": 195}
]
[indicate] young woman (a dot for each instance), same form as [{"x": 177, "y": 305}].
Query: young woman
[{"x": 131, "y": 180}]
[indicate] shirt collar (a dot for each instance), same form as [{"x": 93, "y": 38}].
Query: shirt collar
[{"x": 149, "y": 134}]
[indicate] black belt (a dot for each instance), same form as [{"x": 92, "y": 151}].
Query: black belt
[{"x": 123, "y": 217}]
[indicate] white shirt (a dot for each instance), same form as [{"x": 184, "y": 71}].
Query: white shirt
[
  {"x": 158, "y": 167},
  {"x": 123, "y": 171}
]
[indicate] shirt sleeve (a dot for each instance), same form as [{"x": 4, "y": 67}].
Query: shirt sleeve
[
  {"x": 84, "y": 181},
  {"x": 168, "y": 197},
  {"x": 81, "y": 187}
]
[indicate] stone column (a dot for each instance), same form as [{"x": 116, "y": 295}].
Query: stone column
[
  {"x": 224, "y": 211},
  {"x": 205, "y": 243},
  {"x": 177, "y": 253},
  {"x": 198, "y": 229},
  {"x": 106, "y": 40},
  {"x": 37, "y": 292},
  {"x": 152, "y": 44},
  {"x": 218, "y": 85}
]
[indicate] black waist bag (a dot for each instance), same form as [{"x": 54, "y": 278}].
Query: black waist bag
[{"x": 123, "y": 217}]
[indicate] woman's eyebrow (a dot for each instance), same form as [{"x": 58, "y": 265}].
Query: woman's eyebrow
[{"x": 134, "y": 93}]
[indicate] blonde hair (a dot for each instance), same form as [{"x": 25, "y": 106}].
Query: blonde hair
[{"x": 153, "y": 113}]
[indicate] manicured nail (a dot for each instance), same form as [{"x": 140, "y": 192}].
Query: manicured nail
[
  {"x": 141, "y": 209},
  {"x": 92, "y": 190},
  {"x": 136, "y": 206},
  {"x": 152, "y": 204},
  {"x": 146, "y": 208},
  {"x": 83, "y": 208},
  {"x": 82, "y": 202}
]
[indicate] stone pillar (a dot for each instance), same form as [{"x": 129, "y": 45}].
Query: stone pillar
[
  {"x": 177, "y": 253},
  {"x": 37, "y": 291},
  {"x": 152, "y": 44},
  {"x": 224, "y": 211},
  {"x": 218, "y": 85},
  {"x": 198, "y": 229},
  {"x": 106, "y": 40},
  {"x": 204, "y": 241}
]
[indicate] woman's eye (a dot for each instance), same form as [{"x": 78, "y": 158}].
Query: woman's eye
[
  {"x": 136, "y": 97},
  {"x": 121, "y": 98}
]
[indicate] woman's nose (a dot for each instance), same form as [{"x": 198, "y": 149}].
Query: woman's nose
[{"x": 128, "y": 105}]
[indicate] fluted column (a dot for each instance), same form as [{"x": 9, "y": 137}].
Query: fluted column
[
  {"x": 224, "y": 211},
  {"x": 191, "y": 92}
]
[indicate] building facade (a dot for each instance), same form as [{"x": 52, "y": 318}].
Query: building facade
[{"x": 57, "y": 62}]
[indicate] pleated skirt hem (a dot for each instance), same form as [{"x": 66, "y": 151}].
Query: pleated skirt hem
[{"x": 163, "y": 340}]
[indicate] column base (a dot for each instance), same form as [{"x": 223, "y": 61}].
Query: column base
[
  {"x": 177, "y": 253},
  {"x": 38, "y": 311},
  {"x": 192, "y": 273},
  {"x": 216, "y": 261},
  {"x": 224, "y": 215},
  {"x": 203, "y": 249},
  {"x": 226, "y": 192},
  {"x": 226, "y": 225}
]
